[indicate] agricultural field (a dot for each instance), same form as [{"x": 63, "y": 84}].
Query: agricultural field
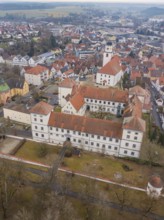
[{"x": 54, "y": 12}]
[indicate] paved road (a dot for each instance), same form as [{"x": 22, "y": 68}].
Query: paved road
[{"x": 154, "y": 111}]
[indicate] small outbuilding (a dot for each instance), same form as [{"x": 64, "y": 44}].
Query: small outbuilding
[{"x": 155, "y": 186}]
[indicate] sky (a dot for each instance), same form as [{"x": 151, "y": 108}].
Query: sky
[{"x": 113, "y": 1}]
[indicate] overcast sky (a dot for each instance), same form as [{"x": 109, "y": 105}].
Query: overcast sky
[{"x": 126, "y": 1}]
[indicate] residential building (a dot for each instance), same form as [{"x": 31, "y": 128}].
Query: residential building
[
  {"x": 36, "y": 75},
  {"x": 4, "y": 92},
  {"x": 17, "y": 112},
  {"x": 17, "y": 86}
]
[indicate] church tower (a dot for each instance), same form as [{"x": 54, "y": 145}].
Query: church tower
[{"x": 108, "y": 53}]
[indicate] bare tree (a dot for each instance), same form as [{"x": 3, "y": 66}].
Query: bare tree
[{"x": 8, "y": 188}]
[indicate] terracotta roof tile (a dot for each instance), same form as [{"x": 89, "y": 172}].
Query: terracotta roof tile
[
  {"x": 77, "y": 101},
  {"x": 87, "y": 125},
  {"x": 36, "y": 70},
  {"x": 112, "y": 67},
  {"x": 134, "y": 123},
  {"x": 67, "y": 83},
  {"x": 108, "y": 94},
  {"x": 42, "y": 108},
  {"x": 156, "y": 181}
]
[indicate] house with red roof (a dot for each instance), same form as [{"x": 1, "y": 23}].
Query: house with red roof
[{"x": 36, "y": 75}]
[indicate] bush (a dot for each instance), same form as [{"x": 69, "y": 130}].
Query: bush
[
  {"x": 126, "y": 167},
  {"x": 42, "y": 151},
  {"x": 68, "y": 152}
]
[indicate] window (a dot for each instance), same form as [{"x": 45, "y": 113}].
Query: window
[
  {"x": 68, "y": 131},
  {"x": 36, "y": 127},
  {"x": 103, "y": 146},
  {"x": 115, "y": 148},
  {"x": 95, "y": 101},
  {"x": 35, "y": 119},
  {"x": 51, "y": 134},
  {"x": 74, "y": 132},
  {"x": 86, "y": 135},
  {"x": 110, "y": 139},
  {"x": 86, "y": 142},
  {"x": 116, "y": 140},
  {"x": 98, "y": 137},
  {"x": 104, "y": 102},
  {"x": 104, "y": 138},
  {"x": 128, "y": 136},
  {"x": 132, "y": 153},
  {"x": 99, "y": 101},
  {"x": 106, "y": 54},
  {"x": 41, "y": 120},
  {"x": 135, "y": 138},
  {"x": 134, "y": 145},
  {"x": 126, "y": 144},
  {"x": 62, "y": 130},
  {"x": 42, "y": 135},
  {"x": 91, "y": 100},
  {"x": 50, "y": 128},
  {"x": 79, "y": 133},
  {"x": 97, "y": 145},
  {"x": 113, "y": 103},
  {"x": 92, "y": 143},
  {"x": 125, "y": 152},
  {"x": 79, "y": 141},
  {"x": 74, "y": 140},
  {"x": 136, "y": 133},
  {"x": 92, "y": 136},
  {"x": 108, "y": 103},
  {"x": 56, "y": 129},
  {"x": 109, "y": 147},
  {"x": 42, "y": 128},
  {"x": 36, "y": 134}
]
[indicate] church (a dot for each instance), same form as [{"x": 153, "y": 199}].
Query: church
[{"x": 111, "y": 72}]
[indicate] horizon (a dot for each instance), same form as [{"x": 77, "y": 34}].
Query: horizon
[{"x": 87, "y": 1}]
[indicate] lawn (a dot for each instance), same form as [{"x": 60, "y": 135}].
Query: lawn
[
  {"x": 31, "y": 150},
  {"x": 110, "y": 168},
  {"x": 93, "y": 164},
  {"x": 108, "y": 192}
]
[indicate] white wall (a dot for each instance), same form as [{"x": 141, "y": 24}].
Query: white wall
[
  {"x": 63, "y": 92},
  {"x": 111, "y": 80},
  {"x": 69, "y": 109},
  {"x": 17, "y": 116}
]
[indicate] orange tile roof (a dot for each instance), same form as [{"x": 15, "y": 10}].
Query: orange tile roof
[
  {"x": 108, "y": 94},
  {"x": 36, "y": 70},
  {"x": 67, "y": 83},
  {"x": 161, "y": 80},
  {"x": 87, "y": 125},
  {"x": 42, "y": 108},
  {"x": 156, "y": 181},
  {"x": 138, "y": 90},
  {"x": 112, "y": 67},
  {"x": 134, "y": 108},
  {"x": 77, "y": 101},
  {"x": 134, "y": 75},
  {"x": 134, "y": 123}
]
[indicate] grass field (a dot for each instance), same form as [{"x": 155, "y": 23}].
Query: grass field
[
  {"x": 30, "y": 151},
  {"x": 93, "y": 164},
  {"x": 54, "y": 12}
]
